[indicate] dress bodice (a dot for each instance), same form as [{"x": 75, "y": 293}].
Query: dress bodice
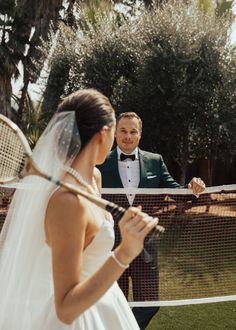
[{"x": 96, "y": 253}]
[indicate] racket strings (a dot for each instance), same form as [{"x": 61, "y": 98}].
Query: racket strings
[{"x": 12, "y": 154}]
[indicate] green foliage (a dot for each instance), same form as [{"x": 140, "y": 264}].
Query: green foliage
[
  {"x": 63, "y": 46},
  {"x": 90, "y": 11},
  {"x": 94, "y": 66},
  {"x": 8, "y": 57},
  {"x": 224, "y": 6},
  {"x": 7, "y": 7},
  {"x": 33, "y": 121},
  {"x": 181, "y": 81},
  {"x": 174, "y": 66},
  {"x": 24, "y": 25},
  {"x": 207, "y": 6}
]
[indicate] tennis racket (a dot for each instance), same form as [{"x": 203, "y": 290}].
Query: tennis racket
[{"x": 16, "y": 162}]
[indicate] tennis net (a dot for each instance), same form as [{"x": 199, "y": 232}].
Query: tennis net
[{"x": 195, "y": 259}]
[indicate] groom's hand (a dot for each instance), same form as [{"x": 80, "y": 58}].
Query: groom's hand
[{"x": 196, "y": 185}]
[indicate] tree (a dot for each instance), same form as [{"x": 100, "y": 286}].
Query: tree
[
  {"x": 223, "y": 6},
  {"x": 187, "y": 70},
  {"x": 170, "y": 70},
  {"x": 33, "y": 122},
  {"x": 22, "y": 25},
  {"x": 162, "y": 64},
  {"x": 63, "y": 44},
  {"x": 8, "y": 54}
]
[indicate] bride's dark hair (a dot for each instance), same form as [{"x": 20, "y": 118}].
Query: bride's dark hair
[{"x": 93, "y": 111}]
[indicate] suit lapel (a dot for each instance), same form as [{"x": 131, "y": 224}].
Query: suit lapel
[
  {"x": 143, "y": 159},
  {"x": 116, "y": 175}
]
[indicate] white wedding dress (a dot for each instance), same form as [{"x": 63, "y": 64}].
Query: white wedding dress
[
  {"x": 111, "y": 311},
  {"x": 26, "y": 283}
]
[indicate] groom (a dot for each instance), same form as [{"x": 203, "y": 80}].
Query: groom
[{"x": 129, "y": 167}]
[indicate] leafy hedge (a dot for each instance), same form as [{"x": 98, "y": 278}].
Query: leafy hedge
[{"x": 175, "y": 67}]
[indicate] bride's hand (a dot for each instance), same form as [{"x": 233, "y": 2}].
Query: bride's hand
[{"x": 134, "y": 227}]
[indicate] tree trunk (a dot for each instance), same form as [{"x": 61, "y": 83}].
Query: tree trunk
[
  {"x": 5, "y": 95},
  {"x": 205, "y": 171},
  {"x": 183, "y": 174},
  {"x": 23, "y": 96}
]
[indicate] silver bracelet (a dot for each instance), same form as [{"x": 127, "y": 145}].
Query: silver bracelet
[{"x": 117, "y": 261}]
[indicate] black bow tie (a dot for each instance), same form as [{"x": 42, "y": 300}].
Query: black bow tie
[{"x": 123, "y": 157}]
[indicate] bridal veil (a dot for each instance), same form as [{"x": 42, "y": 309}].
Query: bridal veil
[{"x": 26, "y": 286}]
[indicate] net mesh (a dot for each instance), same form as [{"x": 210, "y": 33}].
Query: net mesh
[
  {"x": 11, "y": 154},
  {"x": 195, "y": 259}
]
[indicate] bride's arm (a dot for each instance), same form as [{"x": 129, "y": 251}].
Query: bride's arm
[{"x": 66, "y": 224}]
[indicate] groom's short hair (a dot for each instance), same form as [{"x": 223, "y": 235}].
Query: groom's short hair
[{"x": 129, "y": 115}]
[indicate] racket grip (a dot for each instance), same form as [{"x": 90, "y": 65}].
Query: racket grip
[{"x": 117, "y": 212}]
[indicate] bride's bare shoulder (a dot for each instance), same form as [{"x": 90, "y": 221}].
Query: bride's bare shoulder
[
  {"x": 66, "y": 212},
  {"x": 62, "y": 199}
]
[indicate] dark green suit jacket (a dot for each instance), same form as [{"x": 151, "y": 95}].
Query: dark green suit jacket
[{"x": 153, "y": 172}]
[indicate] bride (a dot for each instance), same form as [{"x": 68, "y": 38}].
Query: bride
[{"x": 57, "y": 270}]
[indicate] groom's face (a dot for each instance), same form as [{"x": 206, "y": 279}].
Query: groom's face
[{"x": 128, "y": 134}]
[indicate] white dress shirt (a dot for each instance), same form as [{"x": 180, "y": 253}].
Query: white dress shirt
[{"x": 129, "y": 171}]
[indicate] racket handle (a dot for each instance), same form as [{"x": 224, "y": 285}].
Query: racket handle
[{"x": 118, "y": 212}]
